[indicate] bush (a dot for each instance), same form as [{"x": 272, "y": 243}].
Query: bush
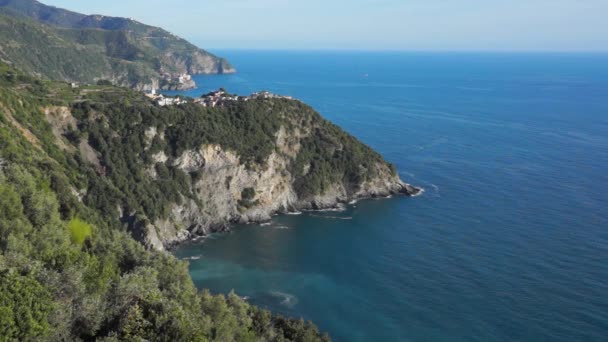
[
  {"x": 105, "y": 83},
  {"x": 247, "y": 194},
  {"x": 79, "y": 231}
]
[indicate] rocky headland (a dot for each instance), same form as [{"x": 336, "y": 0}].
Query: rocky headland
[
  {"x": 228, "y": 180},
  {"x": 231, "y": 190},
  {"x": 59, "y": 44}
]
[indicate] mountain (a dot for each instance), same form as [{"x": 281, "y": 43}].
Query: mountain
[
  {"x": 64, "y": 45},
  {"x": 97, "y": 181},
  {"x": 90, "y": 176},
  {"x": 176, "y": 172},
  {"x": 69, "y": 267}
]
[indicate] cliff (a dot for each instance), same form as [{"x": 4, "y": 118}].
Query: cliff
[
  {"x": 226, "y": 182},
  {"x": 175, "y": 172},
  {"x": 69, "y": 267},
  {"x": 242, "y": 161},
  {"x": 63, "y": 45}
]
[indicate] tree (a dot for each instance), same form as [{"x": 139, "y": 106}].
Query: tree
[{"x": 24, "y": 307}]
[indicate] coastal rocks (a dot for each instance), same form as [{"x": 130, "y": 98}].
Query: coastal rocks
[{"x": 230, "y": 192}]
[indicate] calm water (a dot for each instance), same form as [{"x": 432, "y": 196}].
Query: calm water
[{"x": 510, "y": 240}]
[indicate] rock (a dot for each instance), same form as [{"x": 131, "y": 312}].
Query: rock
[
  {"x": 190, "y": 161},
  {"x": 225, "y": 178}
]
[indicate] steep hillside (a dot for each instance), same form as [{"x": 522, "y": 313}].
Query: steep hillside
[
  {"x": 48, "y": 41},
  {"x": 69, "y": 269},
  {"x": 176, "y": 172}
]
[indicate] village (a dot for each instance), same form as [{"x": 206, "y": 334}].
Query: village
[{"x": 216, "y": 98}]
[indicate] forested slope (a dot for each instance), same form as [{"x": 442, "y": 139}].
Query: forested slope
[
  {"x": 69, "y": 270},
  {"x": 64, "y": 45}
]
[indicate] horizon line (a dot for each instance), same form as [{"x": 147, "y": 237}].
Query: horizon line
[{"x": 590, "y": 51}]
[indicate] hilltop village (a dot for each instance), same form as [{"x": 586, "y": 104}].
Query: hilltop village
[{"x": 216, "y": 98}]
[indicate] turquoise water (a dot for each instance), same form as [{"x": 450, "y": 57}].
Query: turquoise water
[{"x": 510, "y": 240}]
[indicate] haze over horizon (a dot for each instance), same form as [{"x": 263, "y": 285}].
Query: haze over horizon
[{"x": 490, "y": 25}]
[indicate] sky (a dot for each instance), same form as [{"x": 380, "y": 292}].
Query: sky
[{"x": 443, "y": 25}]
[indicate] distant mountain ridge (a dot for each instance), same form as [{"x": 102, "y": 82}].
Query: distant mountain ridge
[{"x": 64, "y": 45}]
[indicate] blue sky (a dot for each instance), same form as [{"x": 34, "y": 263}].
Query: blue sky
[{"x": 554, "y": 25}]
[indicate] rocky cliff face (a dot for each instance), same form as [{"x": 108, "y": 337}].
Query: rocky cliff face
[
  {"x": 172, "y": 173},
  {"x": 198, "y": 62},
  {"x": 225, "y": 179}
]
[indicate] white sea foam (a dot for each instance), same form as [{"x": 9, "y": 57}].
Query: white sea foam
[
  {"x": 334, "y": 217},
  {"x": 339, "y": 208},
  {"x": 286, "y": 299},
  {"x": 419, "y": 193},
  {"x": 295, "y": 213},
  {"x": 265, "y": 224},
  {"x": 192, "y": 258}
]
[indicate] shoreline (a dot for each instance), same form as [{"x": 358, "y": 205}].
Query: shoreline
[{"x": 227, "y": 227}]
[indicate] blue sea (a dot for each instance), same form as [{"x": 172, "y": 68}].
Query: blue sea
[{"x": 508, "y": 243}]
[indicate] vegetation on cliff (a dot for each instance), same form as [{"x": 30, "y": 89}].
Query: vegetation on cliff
[
  {"x": 83, "y": 169},
  {"x": 74, "y": 181},
  {"x": 63, "y": 45},
  {"x": 69, "y": 269},
  {"x": 116, "y": 123}
]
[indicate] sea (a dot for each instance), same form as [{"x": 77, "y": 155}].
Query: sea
[{"x": 509, "y": 241}]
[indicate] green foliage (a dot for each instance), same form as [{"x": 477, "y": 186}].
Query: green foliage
[
  {"x": 68, "y": 268},
  {"x": 327, "y": 155},
  {"x": 248, "y": 194},
  {"x": 104, "y": 83},
  {"x": 24, "y": 307},
  {"x": 79, "y": 231},
  {"x": 68, "y": 46}
]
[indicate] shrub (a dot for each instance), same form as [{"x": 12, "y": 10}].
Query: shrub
[
  {"x": 248, "y": 194},
  {"x": 79, "y": 231}
]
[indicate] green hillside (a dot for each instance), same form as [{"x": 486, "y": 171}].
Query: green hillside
[
  {"x": 71, "y": 271},
  {"x": 63, "y": 45}
]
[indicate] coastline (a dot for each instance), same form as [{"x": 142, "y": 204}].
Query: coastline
[{"x": 338, "y": 205}]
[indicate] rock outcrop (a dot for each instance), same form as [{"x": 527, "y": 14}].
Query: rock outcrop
[
  {"x": 225, "y": 179},
  {"x": 176, "y": 172}
]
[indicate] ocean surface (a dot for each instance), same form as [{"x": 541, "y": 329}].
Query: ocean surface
[{"x": 508, "y": 243}]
